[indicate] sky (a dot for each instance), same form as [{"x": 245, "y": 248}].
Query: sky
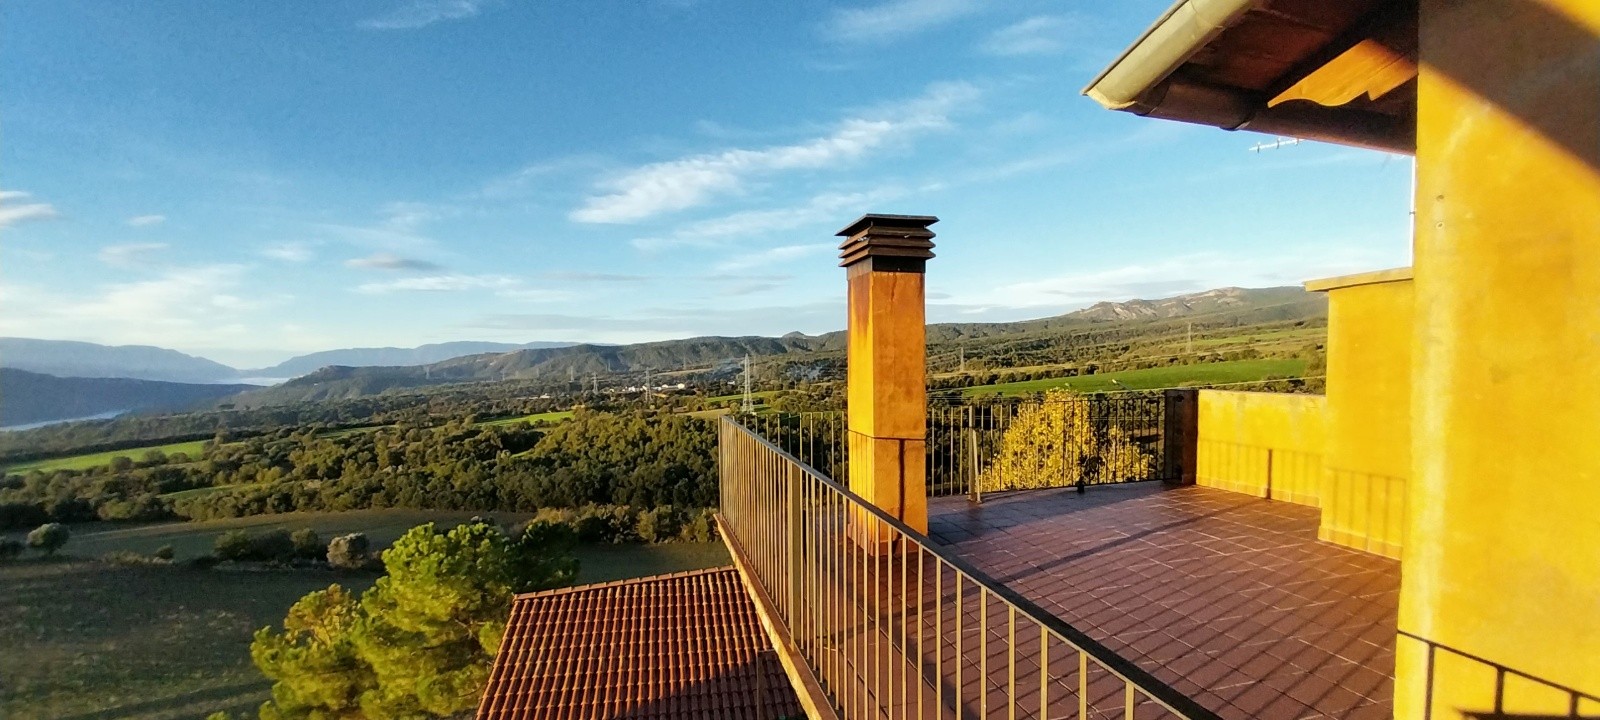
[{"x": 248, "y": 181}]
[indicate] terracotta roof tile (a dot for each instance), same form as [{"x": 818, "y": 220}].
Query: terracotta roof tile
[{"x": 686, "y": 645}]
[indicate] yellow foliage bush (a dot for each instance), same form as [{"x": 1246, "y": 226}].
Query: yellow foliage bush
[{"x": 1055, "y": 443}]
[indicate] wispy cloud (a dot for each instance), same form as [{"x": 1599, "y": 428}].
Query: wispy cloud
[
  {"x": 129, "y": 254},
  {"x": 1162, "y": 277},
  {"x": 593, "y": 277},
  {"x": 389, "y": 261},
  {"x": 664, "y": 187},
  {"x": 15, "y": 207},
  {"x": 451, "y": 282},
  {"x": 773, "y": 256},
  {"x": 290, "y": 252},
  {"x": 896, "y": 18},
  {"x": 415, "y": 14},
  {"x": 146, "y": 220},
  {"x": 717, "y": 231},
  {"x": 1041, "y": 35}
]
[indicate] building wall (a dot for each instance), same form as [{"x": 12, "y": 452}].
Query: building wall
[
  {"x": 1262, "y": 444},
  {"x": 1500, "y": 589},
  {"x": 1368, "y": 458}
]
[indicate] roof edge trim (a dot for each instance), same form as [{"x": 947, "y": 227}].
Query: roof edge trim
[
  {"x": 1374, "y": 277},
  {"x": 1174, "y": 38}
]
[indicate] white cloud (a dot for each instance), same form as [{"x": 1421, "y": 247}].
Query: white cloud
[
  {"x": 129, "y": 254},
  {"x": 14, "y": 208},
  {"x": 663, "y": 187},
  {"x": 291, "y": 252},
  {"x": 1164, "y": 277},
  {"x": 191, "y": 306},
  {"x": 146, "y": 220},
  {"x": 774, "y": 256},
  {"x": 437, "y": 283},
  {"x": 825, "y": 207},
  {"x": 389, "y": 261},
  {"x": 1042, "y": 35},
  {"x": 896, "y": 18},
  {"x": 414, "y": 14}
]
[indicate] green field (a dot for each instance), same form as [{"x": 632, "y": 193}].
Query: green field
[
  {"x": 86, "y": 640},
  {"x": 552, "y": 416},
  {"x": 1153, "y": 378},
  {"x": 89, "y": 460}
]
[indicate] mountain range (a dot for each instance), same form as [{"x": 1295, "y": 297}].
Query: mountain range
[{"x": 29, "y": 393}]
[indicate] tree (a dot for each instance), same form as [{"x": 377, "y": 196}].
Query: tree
[
  {"x": 316, "y": 670},
  {"x": 419, "y": 642},
  {"x": 1056, "y": 442},
  {"x": 9, "y": 549},
  {"x": 49, "y": 537}
]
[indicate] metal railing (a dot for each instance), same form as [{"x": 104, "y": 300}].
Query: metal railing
[
  {"x": 892, "y": 627},
  {"x": 1009, "y": 444}
]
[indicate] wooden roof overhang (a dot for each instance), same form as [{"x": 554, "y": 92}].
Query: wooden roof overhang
[{"x": 1341, "y": 71}]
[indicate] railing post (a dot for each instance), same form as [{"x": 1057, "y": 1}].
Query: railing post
[
  {"x": 794, "y": 512},
  {"x": 1180, "y": 435}
]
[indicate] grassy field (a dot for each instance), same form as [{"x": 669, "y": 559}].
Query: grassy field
[
  {"x": 1151, "y": 378},
  {"x": 553, "y": 416},
  {"x": 85, "y": 640},
  {"x": 89, "y": 460}
]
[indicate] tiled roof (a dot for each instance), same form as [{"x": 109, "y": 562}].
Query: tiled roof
[{"x": 686, "y": 645}]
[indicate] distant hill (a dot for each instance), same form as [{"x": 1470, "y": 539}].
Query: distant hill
[
  {"x": 65, "y": 358},
  {"x": 389, "y": 356},
  {"x": 1223, "y": 307},
  {"x": 28, "y": 397}
]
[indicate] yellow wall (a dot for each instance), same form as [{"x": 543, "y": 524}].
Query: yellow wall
[
  {"x": 1262, "y": 444},
  {"x": 1503, "y": 561},
  {"x": 1368, "y": 456}
]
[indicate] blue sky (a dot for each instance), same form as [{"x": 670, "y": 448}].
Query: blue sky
[{"x": 251, "y": 180}]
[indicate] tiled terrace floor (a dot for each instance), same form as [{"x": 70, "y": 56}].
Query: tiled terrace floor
[{"x": 1230, "y": 599}]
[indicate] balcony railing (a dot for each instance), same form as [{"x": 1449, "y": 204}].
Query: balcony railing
[
  {"x": 892, "y": 627},
  {"x": 978, "y": 447}
]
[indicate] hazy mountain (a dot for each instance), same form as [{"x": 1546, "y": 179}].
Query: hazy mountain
[
  {"x": 65, "y": 358},
  {"x": 1227, "y": 306},
  {"x": 28, "y": 397},
  {"x": 389, "y": 356}
]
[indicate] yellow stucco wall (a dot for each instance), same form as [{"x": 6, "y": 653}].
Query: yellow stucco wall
[
  {"x": 1503, "y": 558},
  {"x": 1262, "y": 444},
  {"x": 1368, "y": 456}
]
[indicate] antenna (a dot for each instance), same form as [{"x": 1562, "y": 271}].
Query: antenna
[
  {"x": 749, "y": 401},
  {"x": 1275, "y": 144}
]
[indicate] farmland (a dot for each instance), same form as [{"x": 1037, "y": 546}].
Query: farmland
[
  {"x": 89, "y": 460},
  {"x": 86, "y": 639}
]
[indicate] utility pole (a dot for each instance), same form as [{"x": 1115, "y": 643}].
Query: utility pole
[
  {"x": 749, "y": 401},
  {"x": 963, "y": 351},
  {"x": 1188, "y": 343},
  {"x": 594, "y": 383},
  {"x": 648, "y": 395}
]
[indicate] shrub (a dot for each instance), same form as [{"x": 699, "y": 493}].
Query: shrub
[
  {"x": 232, "y": 545},
  {"x": 349, "y": 552},
  {"x": 204, "y": 562},
  {"x": 272, "y": 546},
  {"x": 10, "y": 549},
  {"x": 165, "y": 552},
  {"x": 129, "y": 557},
  {"x": 659, "y": 525},
  {"x": 307, "y": 545},
  {"x": 49, "y": 537},
  {"x": 700, "y": 529}
]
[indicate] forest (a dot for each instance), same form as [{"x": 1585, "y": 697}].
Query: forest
[{"x": 635, "y": 458}]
